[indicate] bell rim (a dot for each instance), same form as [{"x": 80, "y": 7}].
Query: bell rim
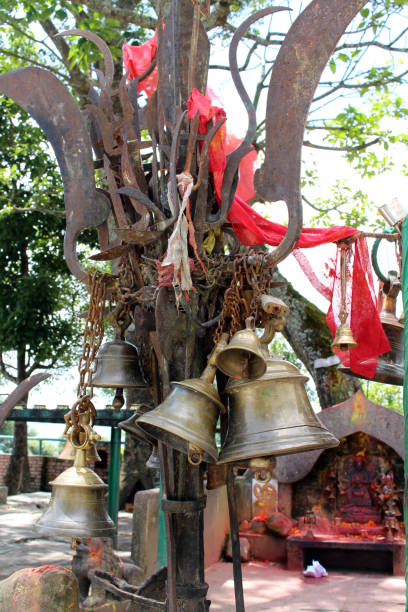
[
  {"x": 221, "y": 356},
  {"x": 164, "y": 424},
  {"x": 227, "y": 456},
  {"x": 105, "y": 532}
]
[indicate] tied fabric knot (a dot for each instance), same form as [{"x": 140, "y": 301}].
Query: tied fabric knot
[{"x": 177, "y": 247}]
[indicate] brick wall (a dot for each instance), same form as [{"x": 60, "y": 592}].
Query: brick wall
[{"x": 45, "y": 469}]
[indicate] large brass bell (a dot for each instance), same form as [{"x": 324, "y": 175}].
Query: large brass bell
[
  {"x": 186, "y": 420},
  {"x": 271, "y": 416},
  {"x": 77, "y": 505},
  {"x": 390, "y": 366},
  {"x": 131, "y": 426},
  {"x": 242, "y": 358},
  {"x": 118, "y": 366}
]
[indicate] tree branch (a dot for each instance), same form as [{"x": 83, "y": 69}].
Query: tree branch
[
  {"x": 33, "y": 62},
  {"x": 44, "y": 211},
  {"x": 5, "y": 372},
  {"x": 123, "y": 15},
  {"x": 365, "y": 145}
]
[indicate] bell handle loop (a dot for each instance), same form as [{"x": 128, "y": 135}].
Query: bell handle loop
[
  {"x": 211, "y": 367},
  {"x": 74, "y": 437},
  {"x": 195, "y": 455},
  {"x": 268, "y": 335},
  {"x": 250, "y": 323}
]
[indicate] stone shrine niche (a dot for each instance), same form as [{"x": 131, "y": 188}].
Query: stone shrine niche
[{"x": 361, "y": 481}]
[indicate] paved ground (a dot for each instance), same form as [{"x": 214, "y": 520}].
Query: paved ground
[{"x": 266, "y": 586}]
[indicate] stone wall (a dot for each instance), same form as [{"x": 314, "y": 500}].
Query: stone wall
[{"x": 44, "y": 469}]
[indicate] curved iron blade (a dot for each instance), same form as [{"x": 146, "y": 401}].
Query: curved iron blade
[
  {"x": 103, "y": 48},
  {"x": 50, "y": 103},
  {"x": 229, "y": 182},
  {"x": 296, "y": 73}
]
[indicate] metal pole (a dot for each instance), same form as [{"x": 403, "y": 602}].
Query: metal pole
[
  {"x": 113, "y": 474},
  {"x": 40, "y": 447},
  {"x": 235, "y": 543},
  {"x": 404, "y": 280},
  {"x": 161, "y": 544}
]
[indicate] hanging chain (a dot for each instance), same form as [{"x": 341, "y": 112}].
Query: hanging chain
[
  {"x": 249, "y": 273},
  {"x": 343, "y": 280},
  {"x": 122, "y": 298},
  {"x": 93, "y": 333}
]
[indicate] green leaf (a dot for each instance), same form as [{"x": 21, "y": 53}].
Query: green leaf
[{"x": 332, "y": 65}]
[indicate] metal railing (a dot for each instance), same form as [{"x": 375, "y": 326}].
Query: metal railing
[{"x": 41, "y": 440}]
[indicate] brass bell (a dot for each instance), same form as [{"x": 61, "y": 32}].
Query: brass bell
[
  {"x": 271, "y": 416},
  {"x": 153, "y": 461},
  {"x": 132, "y": 426},
  {"x": 77, "y": 504},
  {"x": 118, "y": 366},
  {"x": 186, "y": 420},
  {"x": 390, "y": 366},
  {"x": 242, "y": 358},
  {"x": 344, "y": 340},
  {"x": 68, "y": 453}
]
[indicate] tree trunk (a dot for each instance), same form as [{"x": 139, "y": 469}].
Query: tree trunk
[
  {"x": 309, "y": 335},
  {"x": 17, "y": 477}
]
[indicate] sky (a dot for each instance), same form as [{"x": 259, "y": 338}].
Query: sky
[{"x": 381, "y": 189}]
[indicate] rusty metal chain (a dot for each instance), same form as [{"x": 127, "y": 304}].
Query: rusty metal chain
[
  {"x": 93, "y": 333},
  {"x": 252, "y": 275},
  {"x": 122, "y": 298}
]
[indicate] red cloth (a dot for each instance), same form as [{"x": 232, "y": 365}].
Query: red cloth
[
  {"x": 252, "y": 229},
  {"x": 137, "y": 59}
]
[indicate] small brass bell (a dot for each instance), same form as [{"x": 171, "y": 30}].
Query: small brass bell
[
  {"x": 271, "y": 416},
  {"x": 77, "y": 505},
  {"x": 390, "y": 366},
  {"x": 118, "y": 366},
  {"x": 186, "y": 420},
  {"x": 242, "y": 358},
  {"x": 68, "y": 453},
  {"x": 344, "y": 340},
  {"x": 153, "y": 461}
]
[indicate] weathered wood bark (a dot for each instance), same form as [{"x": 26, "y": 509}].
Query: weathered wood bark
[{"x": 307, "y": 332}]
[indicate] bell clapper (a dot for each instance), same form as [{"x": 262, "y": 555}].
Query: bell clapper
[{"x": 118, "y": 400}]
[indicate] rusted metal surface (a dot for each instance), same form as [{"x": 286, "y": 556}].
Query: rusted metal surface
[
  {"x": 235, "y": 158},
  {"x": 18, "y": 394},
  {"x": 299, "y": 64},
  {"x": 50, "y": 103},
  {"x": 103, "y": 48}
]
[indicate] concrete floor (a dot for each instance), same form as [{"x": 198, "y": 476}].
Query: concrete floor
[{"x": 266, "y": 586}]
